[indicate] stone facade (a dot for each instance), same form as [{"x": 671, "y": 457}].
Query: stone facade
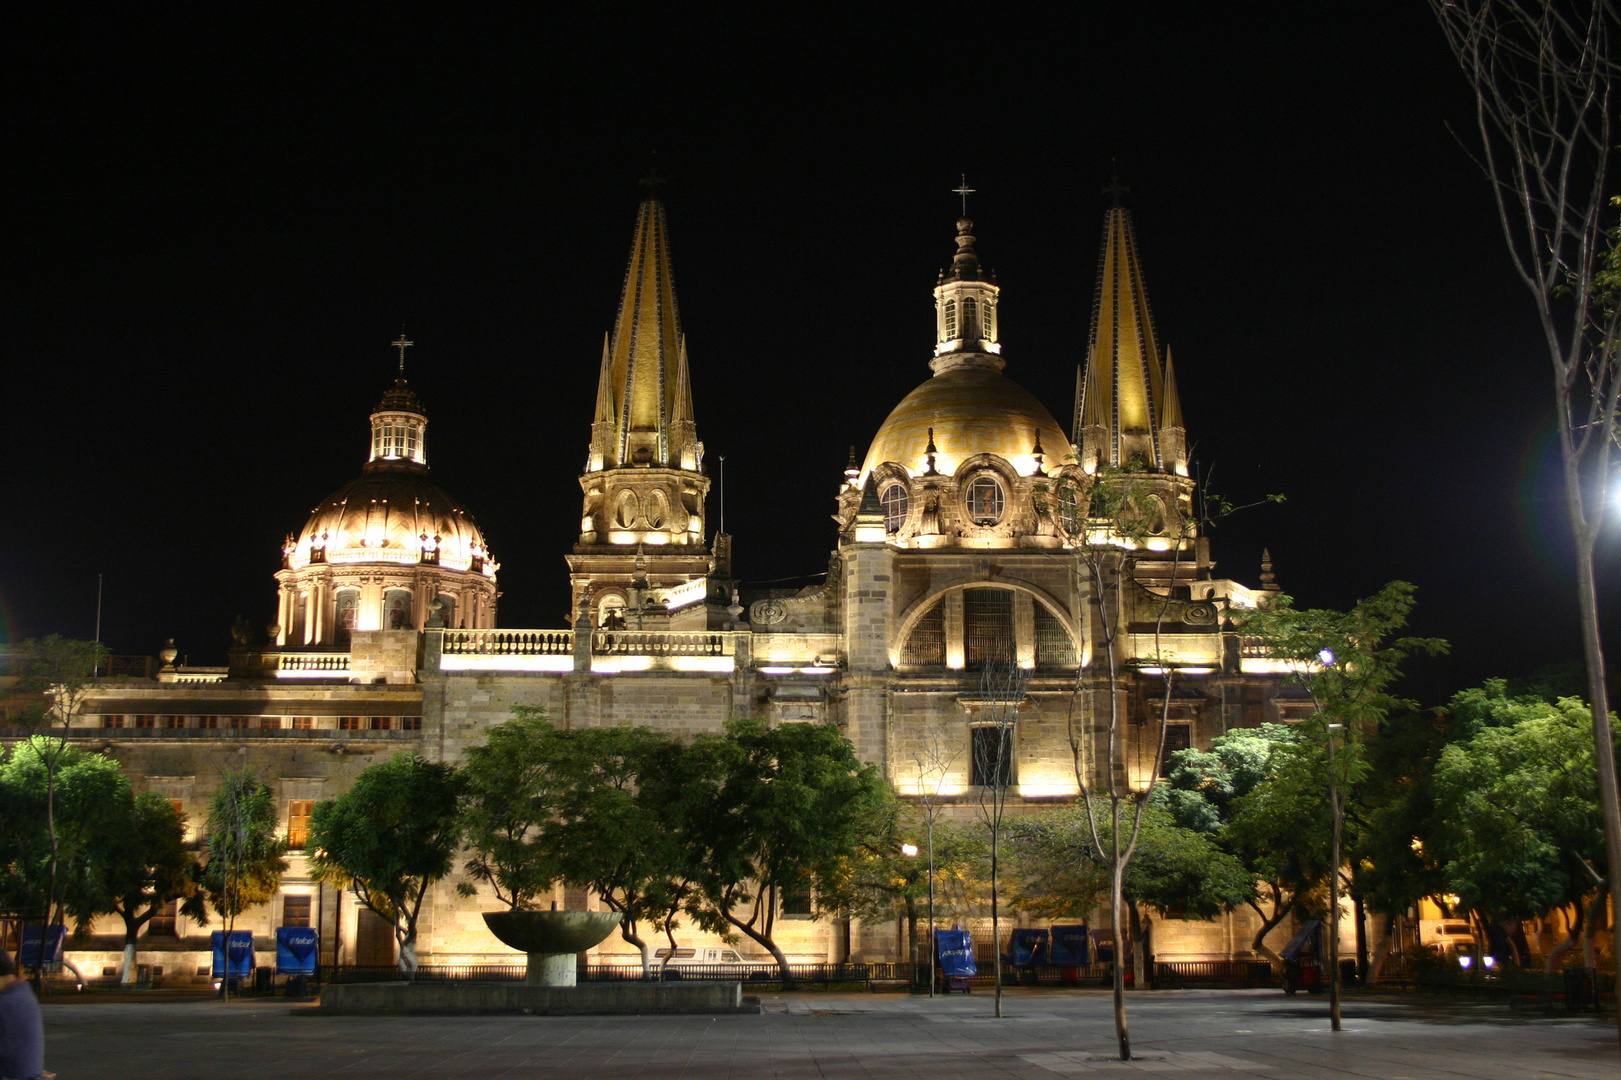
[{"x": 965, "y": 547}]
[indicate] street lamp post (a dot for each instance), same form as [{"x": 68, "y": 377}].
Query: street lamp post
[
  {"x": 910, "y": 851},
  {"x": 1327, "y": 658}
]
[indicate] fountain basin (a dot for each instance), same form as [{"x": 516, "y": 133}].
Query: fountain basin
[{"x": 551, "y": 939}]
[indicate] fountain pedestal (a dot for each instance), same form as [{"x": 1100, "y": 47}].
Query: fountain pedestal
[{"x": 551, "y": 939}]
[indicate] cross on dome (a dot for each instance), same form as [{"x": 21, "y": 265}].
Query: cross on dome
[
  {"x": 402, "y": 344},
  {"x": 964, "y": 190}
]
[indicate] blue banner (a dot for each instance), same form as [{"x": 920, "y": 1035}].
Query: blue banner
[
  {"x": 1028, "y": 947},
  {"x": 1070, "y": 947},
  {"x": 297, "y": 948},
  {"x": 241, "y": 954},
  {"x": 956, "y": 951},
  {"x": 53, "y": 946}
]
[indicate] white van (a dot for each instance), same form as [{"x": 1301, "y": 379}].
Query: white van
[{"x": 692, "y": 957}]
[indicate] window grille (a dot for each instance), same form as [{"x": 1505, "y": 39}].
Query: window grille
[
  {"x": 985, "y": 500},
  {"x": 1177, "y": 737},
  {"x": 1054, "y": 646},
  {"x": 410, "y": 723},
  {"x": 985, "y": 322},
  {"x": 988, "y": 625},
  {"x": 993, "y": 755},
  {"x": 926, "y": 644},
  {"x": 112, "y": 720},
  {"x": 895, "y": 503},
  {"x": 303, "y": 723},
  {"x": 295, "y": 911},
  {"x": 270, "y": 722},
  {"x": 351, "y": 723},
  {"x": 146, "y": 721}
]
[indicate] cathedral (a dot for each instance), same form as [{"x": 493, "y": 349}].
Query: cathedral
[{"x": 959, "y": 551}]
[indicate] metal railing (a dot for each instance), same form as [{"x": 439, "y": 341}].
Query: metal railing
[{"x": 1212, "y": 974}]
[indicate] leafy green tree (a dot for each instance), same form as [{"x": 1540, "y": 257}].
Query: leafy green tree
[
  {"x": 56, "y": 805},
  {"x": 785, "y": 811},
  {"x": 1346, "y": 661},
  {"x": 137, "y": 864},
  {"x": 1518, "y": 825},
  {"x": 1282, "y": 836},
  {"x": 61, "y": 673},
  {"x": 593, "y": 807},
  {"x": 245, "y": 864},
  {"x": 389, "y": 838}
]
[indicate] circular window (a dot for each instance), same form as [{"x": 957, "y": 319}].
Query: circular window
[
  {"x": 895, "y": 504},
  {"x": 985, "y": 500}
]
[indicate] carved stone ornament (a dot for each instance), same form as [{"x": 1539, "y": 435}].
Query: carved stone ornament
[
  {"x": 767, "y": 612},
  {"x": 1199, "y": 614}
]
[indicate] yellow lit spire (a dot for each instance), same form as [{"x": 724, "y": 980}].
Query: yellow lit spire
[
  {"x": 644, "y": 399},
  {"x": 1124, "y": 402}
]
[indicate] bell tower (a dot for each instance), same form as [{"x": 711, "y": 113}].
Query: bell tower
[{"x": 642, "y": 550}]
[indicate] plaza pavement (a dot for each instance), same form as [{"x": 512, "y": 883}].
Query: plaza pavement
[{"x": 1046, "y": 1035}]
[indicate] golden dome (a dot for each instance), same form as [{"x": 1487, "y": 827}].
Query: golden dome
[
  {"x": 973, "y": 410},
  {"x": 391, "y": 516}
]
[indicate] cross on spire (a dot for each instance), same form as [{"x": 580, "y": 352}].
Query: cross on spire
[
  {"x": 964, "y": 190},
  {"x": 653, "y": 181},
  {"x": 401, "y": 343},
  {"x": 1114, "y": 188}
]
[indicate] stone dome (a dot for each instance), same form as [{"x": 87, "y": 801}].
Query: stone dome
[
  {"x": 390, "y": 515},
  {"x": 973, "y": 409}
]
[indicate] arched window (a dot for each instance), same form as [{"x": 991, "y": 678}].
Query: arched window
[
  {"x": 1054, "y": 646},
  {"x": 655, "y": 509},
  {"x": 626, "y": 509},
  {"x": 985, "y": 500},
  {"x": 951, "y": 320},
  {"x": 348, "y": 611},
  {"x": 1069, "y": 511},
  {"x": 985, "y": 322},
  {"x": 397, "y": 610},
  {"x": 970, "y": 318},
  {"x": 926, "y": 644},
  {"x": 987, "y": 626},
  {"x": 895, "y": 504},
  {"x": 447, "y": 610}
]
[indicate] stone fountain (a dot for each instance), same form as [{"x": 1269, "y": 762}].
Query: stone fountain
[{"x": 552, "y": 939}]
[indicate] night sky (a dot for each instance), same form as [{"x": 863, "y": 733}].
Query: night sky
[{"x": 215, "y": 228}]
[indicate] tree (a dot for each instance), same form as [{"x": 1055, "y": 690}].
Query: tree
[
  {"x": 594, "y": 807},
  {"x": 1281, "y": 832},
  {"x": 1519, "y": 829},
  {"x": 389, "y": 838},
  {"x": 785, "y": 810},
  {"x": 245, "y": 863},
  {"x": 137, "y": 865},
  {"x": 56, "y": 801},
  {"x": 1346, "y": 661},
  {"x": 1179, "y": 872},
  {"x": 62, "y": 672},
  {"x": 937, "y": 754},
  {"x": 1542, "y": 74},
  {"x": 1001, "y": 695}
]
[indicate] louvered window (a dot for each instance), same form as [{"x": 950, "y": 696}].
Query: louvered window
[
  {"x": 988, "y": 625},
  {"x": 1054, "y": 646}
]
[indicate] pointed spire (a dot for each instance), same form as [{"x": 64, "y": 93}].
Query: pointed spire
[
  {"x": 1170, "y": 408},
  {"x": 648, "y": 397},
  {"x": 606, "y": 413},
  {"x": 1125, "y": 387},
  {"x": 1269, "y": 580}
]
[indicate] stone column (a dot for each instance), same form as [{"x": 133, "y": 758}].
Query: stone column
[{"x": 868, "y": 626}]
